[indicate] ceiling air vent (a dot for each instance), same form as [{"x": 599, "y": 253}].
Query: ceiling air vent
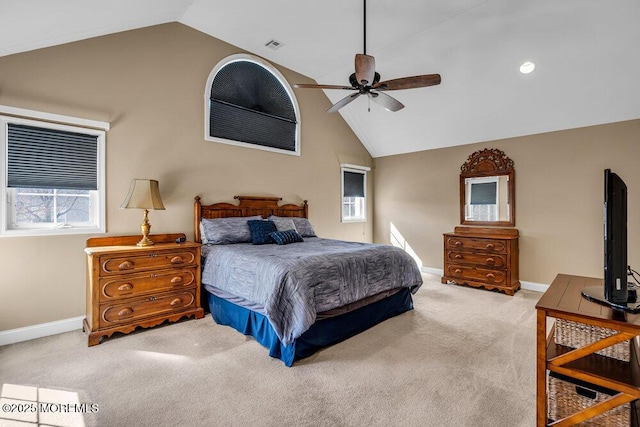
[{"x": 273, "y": 44}]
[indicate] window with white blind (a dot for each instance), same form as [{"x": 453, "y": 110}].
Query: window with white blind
[
  {"x": 52, "y": 178},
  {"x": 354, "y": 188}
]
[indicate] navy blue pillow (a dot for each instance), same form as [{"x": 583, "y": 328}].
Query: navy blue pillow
[
  {"x": 287, "y": 236},
  {"x": 260, "y": 231}
]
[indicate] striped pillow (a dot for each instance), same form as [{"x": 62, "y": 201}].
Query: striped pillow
[{"x": 285, "y": 237}]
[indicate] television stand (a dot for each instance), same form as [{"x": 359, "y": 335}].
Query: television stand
[
  {"x": 563, "y": 300},
  {"x": 596, "y": 294}
]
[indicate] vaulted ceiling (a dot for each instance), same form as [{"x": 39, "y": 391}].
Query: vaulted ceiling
[{"x": 587, "y": 56}]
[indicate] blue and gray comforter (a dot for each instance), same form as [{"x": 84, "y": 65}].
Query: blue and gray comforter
[{"x": 294, "y": 282}]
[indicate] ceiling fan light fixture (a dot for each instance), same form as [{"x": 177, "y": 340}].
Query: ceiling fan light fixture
[{"x": 527, "y": 67}]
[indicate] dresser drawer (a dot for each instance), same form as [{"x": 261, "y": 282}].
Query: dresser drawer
[
  {"x": 496, "y": 277},
  {"x": 489, "y": 260},
  {"x": 140, "y": 284},
  {"x": 147, "y": 261},
  {"x": 117, "y": 314},
  {"x": 470, "y": 243}
]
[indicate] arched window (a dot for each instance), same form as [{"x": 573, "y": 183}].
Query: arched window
[{"x": 249, "y": 103}]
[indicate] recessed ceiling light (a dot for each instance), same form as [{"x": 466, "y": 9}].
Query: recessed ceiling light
[{"x": 527, "y": 67}]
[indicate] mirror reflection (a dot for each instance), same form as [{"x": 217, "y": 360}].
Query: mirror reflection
[{"x": 487, "y": 198}]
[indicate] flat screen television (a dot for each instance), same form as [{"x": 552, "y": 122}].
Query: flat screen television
[
  {"x": 615, "y": 292},
  {"x": 615, "y": 238}
]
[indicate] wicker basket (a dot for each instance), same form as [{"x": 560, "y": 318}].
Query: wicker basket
[
  {"x": 565, "y": 398},
  {"x": 576, "y": 335}
]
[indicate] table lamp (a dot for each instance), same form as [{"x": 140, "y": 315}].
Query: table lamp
[{"x": 143, "y": 194}]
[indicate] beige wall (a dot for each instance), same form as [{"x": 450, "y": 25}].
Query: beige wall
[
  {"x": 149, "y": 84},
  {"x": 559, "y": 196}
]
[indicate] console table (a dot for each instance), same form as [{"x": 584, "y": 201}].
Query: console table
[{"x": 563, "y": 301}]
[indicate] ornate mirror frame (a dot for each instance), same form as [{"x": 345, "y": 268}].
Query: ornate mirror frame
[{"x": 488, "y": 164}]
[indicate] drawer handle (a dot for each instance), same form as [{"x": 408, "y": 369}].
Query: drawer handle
[
  {"x": 491, "y": 261},
  {"x": 125, "y": 312},
  {"x": 491, "y": 276},
  {"x": 458, "y": 243},
  {"x": 126, "y": 265},
  {"x": 457, "y": 270},
  {"x": 176, "y": 280},
  {"x": 125, "y": 287},
  {"x": 177, "y": 301},
  {"x": 457, "y": 256},
  {"x": 490, "y": 246},
  {"x": 177, "y": 260}
]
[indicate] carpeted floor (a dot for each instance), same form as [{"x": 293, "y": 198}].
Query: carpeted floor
[{"x": 462, "y": 357}]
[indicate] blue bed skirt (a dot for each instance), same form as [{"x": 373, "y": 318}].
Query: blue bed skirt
[{"x": 323, "y": 333}]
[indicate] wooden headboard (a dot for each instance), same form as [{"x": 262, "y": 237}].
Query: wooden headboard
[{"x": 249, "y": 206}]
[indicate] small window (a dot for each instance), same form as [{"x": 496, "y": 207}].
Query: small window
[
  {"x": 249, "y": 103},
  {"x": 354, "y": 187},
  {"x": 52, "y": 178}
]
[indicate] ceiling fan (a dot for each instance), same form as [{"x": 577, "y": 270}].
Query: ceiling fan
[{"x": 366, "y": 81}]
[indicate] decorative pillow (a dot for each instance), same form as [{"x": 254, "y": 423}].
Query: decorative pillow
[
  {"x": 303, "y": 226},
  {"x": 285, "y": 237},
  {"x": 223, "y": 231},
  {"x": 283, "y": 223},
  {"x": 260, "y": 231}
]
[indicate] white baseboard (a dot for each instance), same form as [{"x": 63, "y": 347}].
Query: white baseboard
[
  {"x": 533, "y": 286},
  {"x": 434, "y": 271},
  {"x": 42, "y": 330},
  {"x": 530, "y": 286}
]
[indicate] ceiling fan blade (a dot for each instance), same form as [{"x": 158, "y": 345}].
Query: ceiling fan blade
[
  {"x": 344, "y": 101},
  {"x": 314, "y": 86},
  {"x": 409, "y": 82},
  {"x": 389, "y": 103},
  {"x": 365, "y": 69}
]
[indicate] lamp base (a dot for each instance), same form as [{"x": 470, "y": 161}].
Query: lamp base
[
  {"x": 145, "y": 227},
  {"x": 145, "y": 242}
]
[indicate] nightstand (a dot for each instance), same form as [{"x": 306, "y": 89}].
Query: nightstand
[{"x": 130, "y": 286}]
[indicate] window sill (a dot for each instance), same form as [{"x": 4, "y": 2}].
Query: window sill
[
  {"x": 351, "y": 221},
  {"x": 35, "y": 232}
]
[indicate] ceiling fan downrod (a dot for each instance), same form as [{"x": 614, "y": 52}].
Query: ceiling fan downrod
[{"x": 364, "y": 14}]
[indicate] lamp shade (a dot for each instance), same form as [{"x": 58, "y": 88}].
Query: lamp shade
[{"x": 143, "y": 194}]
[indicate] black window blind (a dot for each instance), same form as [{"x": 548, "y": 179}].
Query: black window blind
[
  {"x": 249, "y": 104},
  {"x": 50, "y": 158},
  {"x": 484, "y": 193},
  {"x": 353, "y": 184}
]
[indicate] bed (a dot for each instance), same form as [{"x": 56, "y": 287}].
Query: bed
[{"x": 267, "y": 274}]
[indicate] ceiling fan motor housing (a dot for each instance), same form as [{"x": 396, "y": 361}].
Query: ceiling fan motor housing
[{"x": 354, "y": 81}]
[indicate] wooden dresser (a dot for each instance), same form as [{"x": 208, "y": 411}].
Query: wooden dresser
[
  {"x": 130, "y": 286},
  {"x": 482, "y": 257}
]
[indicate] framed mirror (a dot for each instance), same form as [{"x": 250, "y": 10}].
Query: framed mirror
[{"x": 487, "y": 189}]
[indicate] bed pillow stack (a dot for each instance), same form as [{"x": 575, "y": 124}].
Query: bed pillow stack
[{"x": 256, "y": 230}]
